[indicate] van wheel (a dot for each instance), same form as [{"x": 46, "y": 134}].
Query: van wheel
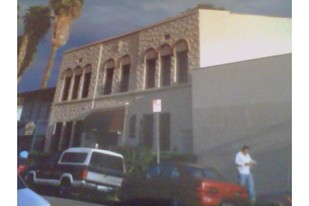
[{"x": 65, "y": 188}]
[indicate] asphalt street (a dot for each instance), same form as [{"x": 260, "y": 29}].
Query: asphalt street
[{"x": 67, "y": 202}]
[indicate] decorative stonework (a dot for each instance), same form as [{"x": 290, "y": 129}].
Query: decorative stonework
[{"x": 134, "y": 45}]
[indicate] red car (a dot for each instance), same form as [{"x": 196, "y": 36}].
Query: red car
[{"x": 181, "y": 184}]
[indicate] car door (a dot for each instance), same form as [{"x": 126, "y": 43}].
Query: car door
[
  {"x": 152, "y": 183},
  {"x": 171, "y": 181},
  {"x": 183, "y": 185},
  {"x": 46, "y": 170}
]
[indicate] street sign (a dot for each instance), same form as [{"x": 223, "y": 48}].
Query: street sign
[{"x": 156, "y": 105}]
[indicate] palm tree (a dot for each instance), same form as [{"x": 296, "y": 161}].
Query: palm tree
[
  {"x": 36, "y": 25},
  {"x": 65, "y": 11}
]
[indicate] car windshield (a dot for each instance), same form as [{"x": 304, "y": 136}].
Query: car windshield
[
  {"x": 212, "y": 174},
  {"x": 204, "y": 173}
]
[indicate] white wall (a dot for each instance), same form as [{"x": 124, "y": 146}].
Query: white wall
[
  {"x": 245, "y": 103},
  {"x": 226, "y": 37}
]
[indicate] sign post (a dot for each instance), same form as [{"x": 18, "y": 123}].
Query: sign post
[{"x": 156, "y": 108}]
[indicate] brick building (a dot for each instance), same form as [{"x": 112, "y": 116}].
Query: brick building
[{"x": 105, "y": 89}]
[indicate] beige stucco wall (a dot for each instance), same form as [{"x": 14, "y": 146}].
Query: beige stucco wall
[{"x": 226, "y": 37}]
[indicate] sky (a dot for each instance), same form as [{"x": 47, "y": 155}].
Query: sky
[{"x": 102, "y": 19}]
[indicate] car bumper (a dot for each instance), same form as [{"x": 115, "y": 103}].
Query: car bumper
[
  {"x": 212, "y": 201},
  {"x": 92, "y": 186}
]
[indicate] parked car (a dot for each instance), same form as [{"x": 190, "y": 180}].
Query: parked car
[
  {"x": 26, "y": 196},
  {"x": 181, "y": 184},
  {"x": 82, "y": 170}
]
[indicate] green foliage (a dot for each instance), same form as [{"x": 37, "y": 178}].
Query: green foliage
[
  {"x": 30, "y": 54},
  {"x": 178, "y": 157},
  {"x": 140, "y": 158},
  {"x": 36, "y": 25},
  {"x": 37, "y": 21},
  {"x": 66, "y": 7},
  {"x": 65, "y": 11},
  {"x": 137, "y": 159}
]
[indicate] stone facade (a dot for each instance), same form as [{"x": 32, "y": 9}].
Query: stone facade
[{"x": 135, "y": 45}]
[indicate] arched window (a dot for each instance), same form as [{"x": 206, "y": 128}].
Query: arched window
[
  {"x": 67, "y": 83},
  {"x": 166, "y": 59},
  {"x": 125, "y": 73},
  {"x": 182, "y": 61},
  {"x": 77, "y": 78},
  {"x": 87, "y": 81},
  {"x": 151, "y": 60},
  {"x": 109, "y": 73}
]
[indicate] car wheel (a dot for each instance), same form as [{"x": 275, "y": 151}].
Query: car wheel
[{"x": 65, "y": 188}]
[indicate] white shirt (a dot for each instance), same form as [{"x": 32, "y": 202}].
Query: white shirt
[{"x": 240, "y": 161}]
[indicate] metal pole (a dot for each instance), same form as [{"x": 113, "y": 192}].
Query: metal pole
[{"x": 157, "y": 115}]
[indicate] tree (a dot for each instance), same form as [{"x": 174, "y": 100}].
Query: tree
[
  {"x": 36, "y": 25},
  {"x": 65, "y": 11}
]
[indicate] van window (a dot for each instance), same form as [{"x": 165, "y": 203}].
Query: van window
[
  {"x": 74, "y": 157},
  {"x": 105, "y": 161}
]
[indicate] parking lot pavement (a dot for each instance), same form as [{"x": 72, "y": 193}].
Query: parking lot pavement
[{"x": 67, "y": 202}]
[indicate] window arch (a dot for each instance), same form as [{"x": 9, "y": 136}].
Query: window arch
[
  {"x": 125, "y": 73},
  {"x": 87, "y": 80},
  {"x": 109, "y": 73},
  {"x": 67, "y": 83},
  {"x": 78, "y": 72},
  {"x": 181, "y": 48},
  {"x": 151, "y": 60},
  {"x": 166, "y": 53}
]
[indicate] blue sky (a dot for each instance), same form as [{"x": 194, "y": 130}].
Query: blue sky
[{"x": 101, "y": 19}]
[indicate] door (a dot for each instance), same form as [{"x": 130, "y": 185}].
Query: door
[{"x": 148, "y": 128}]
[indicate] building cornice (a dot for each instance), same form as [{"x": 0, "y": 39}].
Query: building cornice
[{"x": 133, "y": 32}]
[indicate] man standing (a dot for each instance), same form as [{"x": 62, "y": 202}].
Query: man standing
[{"x": 244, "y": 162}]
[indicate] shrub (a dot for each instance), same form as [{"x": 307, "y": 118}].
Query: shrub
[
  {"x": 137, "y": 159},
  {"x": 140, "y": 158}
]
